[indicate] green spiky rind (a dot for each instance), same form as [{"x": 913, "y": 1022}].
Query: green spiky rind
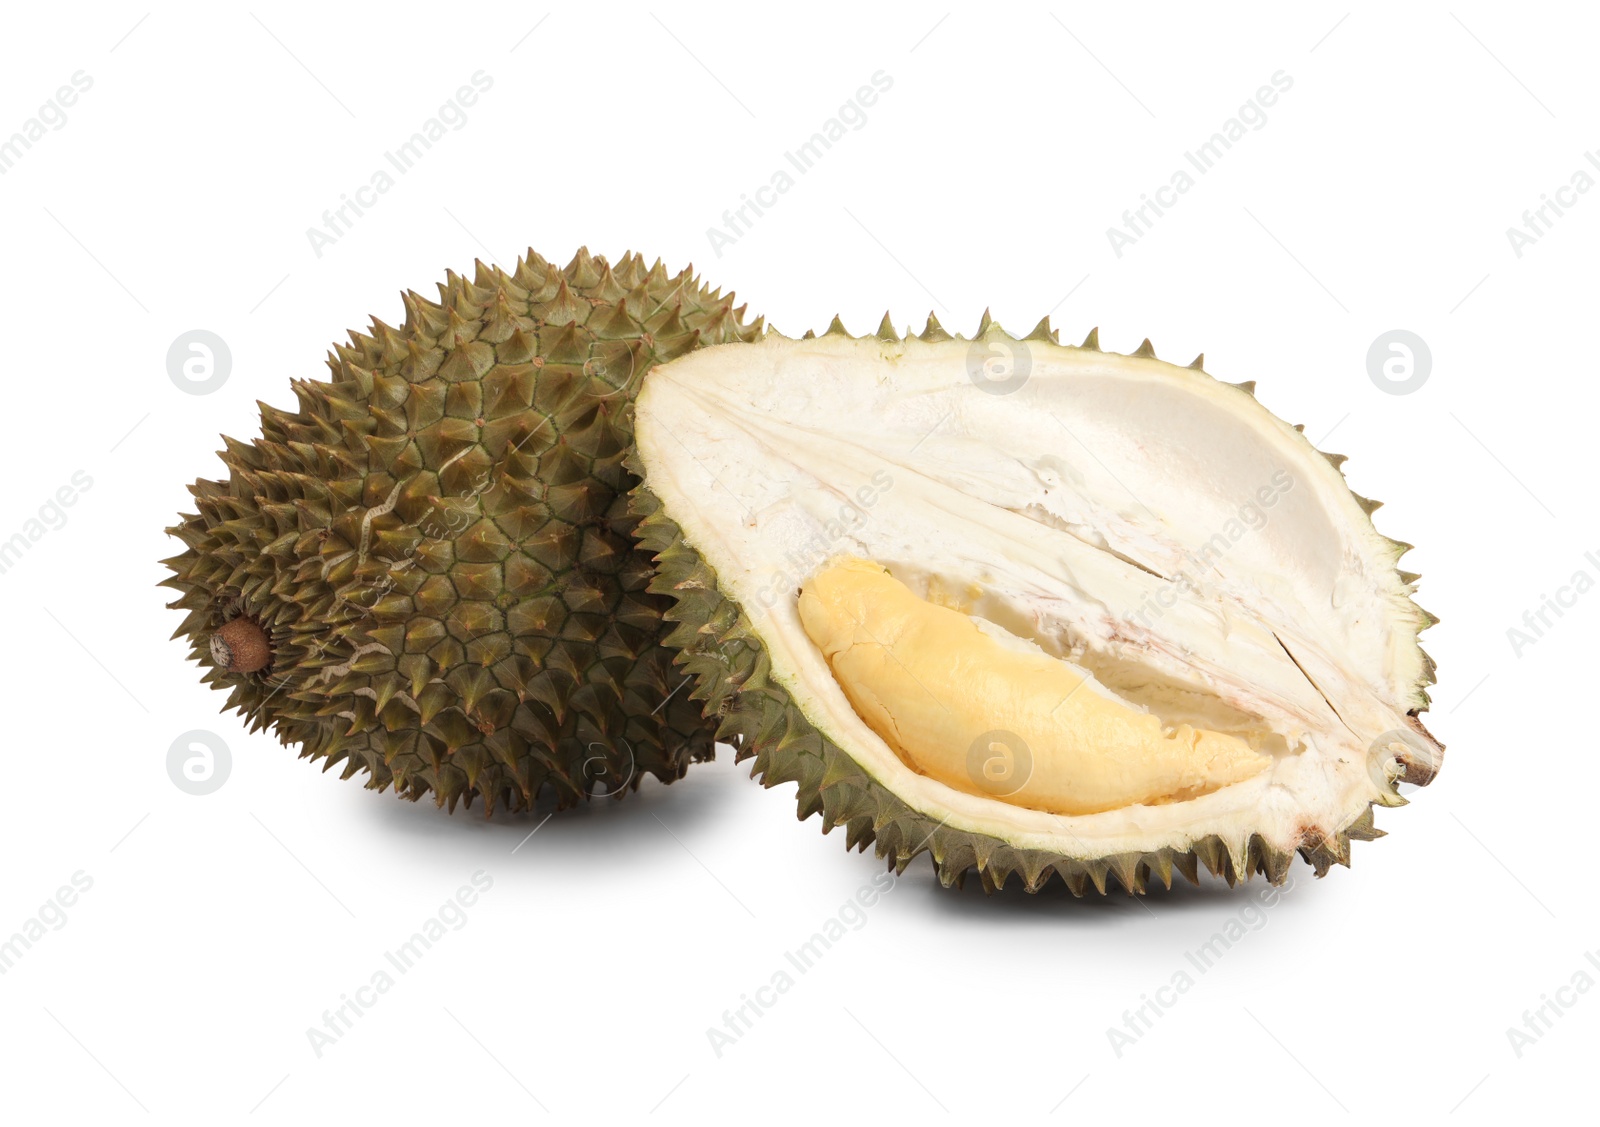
[
  {"x": 439, "y": 546},
  {"x": 718, "y": 647}
]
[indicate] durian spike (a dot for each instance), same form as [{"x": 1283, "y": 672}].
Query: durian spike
[{"x": 934, "y": 332}]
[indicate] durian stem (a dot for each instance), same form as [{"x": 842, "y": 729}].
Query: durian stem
[{"x": 241, "y": 646}]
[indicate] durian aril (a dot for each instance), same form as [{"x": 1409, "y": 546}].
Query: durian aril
[
  {"x": 427, "y": 572},
  {"x": 1194, "y": 558},
  {"x": 988, "y": 717}
]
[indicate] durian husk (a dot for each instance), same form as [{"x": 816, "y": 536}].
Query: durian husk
[
  {"x": 438, "y": 545},
  {"x": 718, "y": 647}
]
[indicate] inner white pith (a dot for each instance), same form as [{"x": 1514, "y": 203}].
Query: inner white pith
[{"x": 1144, "y": 522}]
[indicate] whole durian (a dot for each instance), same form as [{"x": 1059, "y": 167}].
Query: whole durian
[
  {"x": 427, "y": 572},
  {"x": 1033, "y": 610}
]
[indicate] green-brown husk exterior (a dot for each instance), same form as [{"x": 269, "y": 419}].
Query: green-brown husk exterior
[{"x": 438, "y": 543}]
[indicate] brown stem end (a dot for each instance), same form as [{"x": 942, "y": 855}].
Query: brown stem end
[{"x": 241, "y": 646}]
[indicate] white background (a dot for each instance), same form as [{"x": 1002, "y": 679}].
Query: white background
[{"x": 219, "y": 928}]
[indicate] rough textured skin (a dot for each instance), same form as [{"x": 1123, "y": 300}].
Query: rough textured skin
[
  {"x": 718, "y": 647},
  {"x": 439, "y": 547}
]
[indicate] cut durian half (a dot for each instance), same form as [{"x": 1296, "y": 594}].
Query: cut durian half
[{"x": 1033, "y": 609}]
